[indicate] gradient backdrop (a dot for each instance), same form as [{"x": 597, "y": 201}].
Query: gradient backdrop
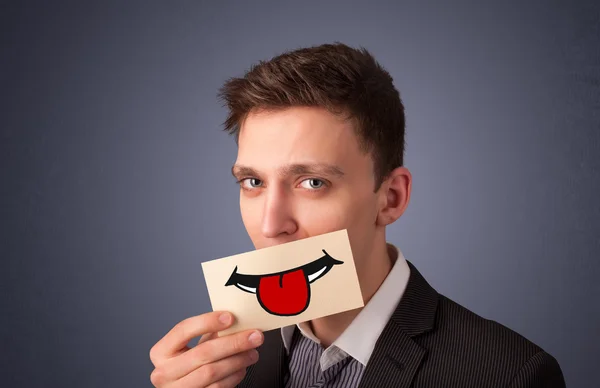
[{"x": 115, "y": 179}]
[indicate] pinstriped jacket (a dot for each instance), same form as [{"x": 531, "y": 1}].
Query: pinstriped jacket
[{"x": 432, "y": 341}]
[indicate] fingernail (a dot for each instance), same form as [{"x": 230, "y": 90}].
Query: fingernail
[
  {"x": 253, "y": 355},
  {"x": 255, "y": 338},
  {"x": 225, "y": 318}
]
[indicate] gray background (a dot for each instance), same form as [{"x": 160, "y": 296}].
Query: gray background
[{"x": 115, "y": 179}]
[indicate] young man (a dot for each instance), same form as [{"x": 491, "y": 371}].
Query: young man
[{"x": 320, "y": 135}]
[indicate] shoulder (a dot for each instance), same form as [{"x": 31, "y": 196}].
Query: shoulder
[
  {"x": 468, "y": 344},
  {"x": 541, "y": 370},
  {"x": 478, "y": 333}
]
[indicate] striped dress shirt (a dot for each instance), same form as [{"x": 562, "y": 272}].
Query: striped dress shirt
[
  {"x": 305, "y": 369},
  {"x": 342, "y": 364}
]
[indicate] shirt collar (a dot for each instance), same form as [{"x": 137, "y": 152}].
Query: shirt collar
[{"x": 359, "y": 338}]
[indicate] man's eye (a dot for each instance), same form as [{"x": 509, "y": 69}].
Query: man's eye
[
  {"x": 312, "y": 184},
  {"x": 251, "y": 182}
]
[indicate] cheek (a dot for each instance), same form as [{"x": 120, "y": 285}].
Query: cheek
[
  {"x": 352, "y": 212},
  {"x": 250, "y": 211},
  {"x": 314, "y": 219},
  {"x": 359, "y": 217}
]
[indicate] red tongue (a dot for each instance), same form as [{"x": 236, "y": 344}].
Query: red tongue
[{"x": 286, "y": 294}]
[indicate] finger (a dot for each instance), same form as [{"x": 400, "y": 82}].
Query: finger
[
  {"x": 179, "y": 336},
  {"x": 211, "y": 351},
  {"x": 230, "y": 381},
  {"x": 221, "y": 370},
  {"x": 207, "y": 337},
  {"x": 179, "y": 352}
]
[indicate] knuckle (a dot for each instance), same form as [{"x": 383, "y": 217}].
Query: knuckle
[
  {"x": 181, "y": 329},
  {"x": 153, "y": 355},
  {"x": 239, "y": 343},
  {"x": 157, "y": 377},
  {"x": 209, "y": 372},
  {"x": 201, "y": 355}
]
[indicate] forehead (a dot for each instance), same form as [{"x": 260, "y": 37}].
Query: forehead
[{"x": 297, "y": 135}]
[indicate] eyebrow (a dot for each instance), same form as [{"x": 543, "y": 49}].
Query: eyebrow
[{"x": 292, "y": 169}]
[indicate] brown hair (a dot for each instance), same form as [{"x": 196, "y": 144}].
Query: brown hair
[{"x": 337, "y": 77}]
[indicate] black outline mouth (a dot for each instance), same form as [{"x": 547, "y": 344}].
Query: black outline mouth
[{"x": 249, "y": 283}]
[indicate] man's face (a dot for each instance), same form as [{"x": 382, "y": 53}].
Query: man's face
[{"x": 302, "y": 174}]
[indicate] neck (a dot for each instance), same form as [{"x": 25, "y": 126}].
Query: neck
[{"x": 371, "y": 275}]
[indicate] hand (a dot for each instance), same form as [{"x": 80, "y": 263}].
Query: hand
[{"x": 214, "y": 362}]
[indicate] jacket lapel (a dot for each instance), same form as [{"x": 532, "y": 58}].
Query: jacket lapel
[
  {"x": 270, "y": 370},
  {"x": 396, "y": 356}
]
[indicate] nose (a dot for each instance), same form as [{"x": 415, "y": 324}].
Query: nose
[{"x": 277, "y": 218}]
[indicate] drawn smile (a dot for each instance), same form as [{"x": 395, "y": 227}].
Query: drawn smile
[{"x": 287, "y": 292}]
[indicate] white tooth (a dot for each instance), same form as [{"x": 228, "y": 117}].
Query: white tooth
[
  {"x": 316, "y": 274},
  {"x": 249, "y": 289}
]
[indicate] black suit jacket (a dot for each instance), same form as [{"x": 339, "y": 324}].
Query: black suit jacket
[{"x": 431, "y": 341}]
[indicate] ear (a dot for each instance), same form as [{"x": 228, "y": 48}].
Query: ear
[{"x": 394, "y": 196}]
